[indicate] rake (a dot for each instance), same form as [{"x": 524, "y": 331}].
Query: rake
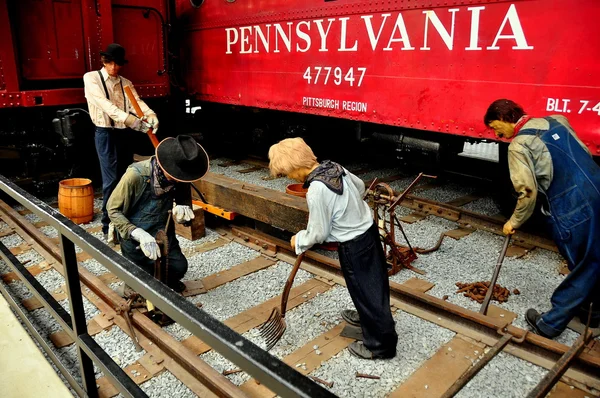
[{"x": 275, "y": 326}]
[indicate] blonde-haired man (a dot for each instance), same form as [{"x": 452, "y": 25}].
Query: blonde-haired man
[{"x": 337, "y": 213}]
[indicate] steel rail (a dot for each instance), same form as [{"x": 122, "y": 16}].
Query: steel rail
[{"x": 272, "y": 372}]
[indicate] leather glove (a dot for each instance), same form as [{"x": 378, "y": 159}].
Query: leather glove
[
  {"x": 182, "y": 214},
  {"x": 147, "y": 243},
  {"x": 136, "y": 124},
  {"x": 152, "y": 120}
]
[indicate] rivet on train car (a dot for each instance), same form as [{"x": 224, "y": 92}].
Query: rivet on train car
[
  {"x": 18, "y": 95},
  {"x": 10, "y": 96}
]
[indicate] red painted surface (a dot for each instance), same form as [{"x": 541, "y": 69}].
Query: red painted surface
[
  {"x": 48, "y": 45},
  {"x": 430, "y": 65}
]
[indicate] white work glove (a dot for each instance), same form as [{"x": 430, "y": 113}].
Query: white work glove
[
  {"x": 137, "y": 124},
  {"x": 147, "y": 243},
  {"x": 182, "y": 214},
  {"x": 152, "y": 120}
]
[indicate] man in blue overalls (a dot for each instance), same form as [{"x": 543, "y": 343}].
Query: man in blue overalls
[
  {"x": 139, "y": 205},
  {"x": 546, "y": 157}
]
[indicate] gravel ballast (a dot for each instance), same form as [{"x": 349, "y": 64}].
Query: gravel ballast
[
  {"x": 473, "y": 258},
  {"x": 418, "y": 341},
  {"x": 505, "y": 376},
  {"x": 219, "y": 259}
]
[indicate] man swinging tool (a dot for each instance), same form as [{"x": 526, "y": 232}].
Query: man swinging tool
[
  {"x": 140, "y": 205},
  {"x": 546, "y": 157}
]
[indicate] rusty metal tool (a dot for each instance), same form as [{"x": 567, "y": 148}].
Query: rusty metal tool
[
  {"x": 275, "y": 325},
  {"x": 366, "y": 376},
  {"x": 161, "y": 271},
  {"x": 554, "y": 375},
  {"x": 472, "y": 371},
  {"x": 140, "y": 114},
  {"x": 124, "y": 310},
  {"x": 490, "y": 291},
  {"x": 324, "y": 382}
]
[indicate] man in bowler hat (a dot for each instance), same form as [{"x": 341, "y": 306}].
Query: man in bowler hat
[
  {"x": 139, "y": 205},
  {"x": 110, "y": 112}
]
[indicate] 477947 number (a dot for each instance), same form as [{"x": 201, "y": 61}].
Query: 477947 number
[{"x": 326, "y": 74}]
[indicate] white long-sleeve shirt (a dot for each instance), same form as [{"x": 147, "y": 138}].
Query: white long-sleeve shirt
[
  {"x": 333, "y": 217},
  {"x": 101, "y": 109}
]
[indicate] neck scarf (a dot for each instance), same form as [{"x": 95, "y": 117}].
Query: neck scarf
[
  {"x": 330, "y": 174},
  {"x": 160, "y": 184}
]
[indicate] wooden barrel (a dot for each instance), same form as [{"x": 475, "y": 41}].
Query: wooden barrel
[
  {"x": 296, "y": 190},
  {"x": 76, "y": 199}
]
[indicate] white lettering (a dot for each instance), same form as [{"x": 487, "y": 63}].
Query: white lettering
[
  {"x": 245, "y": 39},
  {"x": 303, "y": 35},
  {"x": 474, "y": 28},
  {"x": 401, "y": 27},
  {"x": 265, "y": 40},
  {"x": 323, "y": 34},
  {"x": 374, "y": 40},
  {"x": 231, "y": 41},
  {"x": 343, "y": 38},
  {"x": 286, "y": 38},
  {"x": 297, "y": 36},
  {"x": 515, "y": 24},
  {"x": 448, "y": 38},
  {"x": 354, "y": 106}
]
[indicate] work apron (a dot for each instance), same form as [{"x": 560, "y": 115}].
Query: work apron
[
  {"x": 150, "y": 213},
  {"x": 572, "y": 208}
]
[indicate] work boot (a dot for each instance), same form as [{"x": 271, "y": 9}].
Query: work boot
[
  {"x": 359, "y": 350},
  {"x": 351, "y": 317},
  {"x": 178, "y": 286},
  {"x": 124, "y": 291},
  {"x": 532, "y": 317}
]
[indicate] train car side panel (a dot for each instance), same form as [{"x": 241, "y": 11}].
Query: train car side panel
[{"x": 400, "y": 64}]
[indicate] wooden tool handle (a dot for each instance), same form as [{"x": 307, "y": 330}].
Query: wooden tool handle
[
  {"x": 140, "y": 114},
  {"x": 490, "y": 291},
  {"x": 288, "y": 284}
]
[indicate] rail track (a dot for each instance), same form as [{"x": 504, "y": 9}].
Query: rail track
[{"x": 439, "y": 339}]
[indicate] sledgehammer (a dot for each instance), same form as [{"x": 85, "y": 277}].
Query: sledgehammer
[{"x": 140, "y": 114}]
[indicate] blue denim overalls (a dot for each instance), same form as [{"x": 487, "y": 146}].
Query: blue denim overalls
[
  {"x": 150, "y": 213},
  {"x": 573, "y": 214}
]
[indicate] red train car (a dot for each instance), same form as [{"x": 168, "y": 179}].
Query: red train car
[
  {"x": 423, "y": 65},
  {"x": 46, "y": 47}
]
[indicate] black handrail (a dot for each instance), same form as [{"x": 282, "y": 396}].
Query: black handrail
[{"x": 270, "y": 371}]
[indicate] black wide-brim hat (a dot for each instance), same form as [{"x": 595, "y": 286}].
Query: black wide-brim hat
[
  {"x": 182, "y": 158},
  {"x": 115, "y": 52}
]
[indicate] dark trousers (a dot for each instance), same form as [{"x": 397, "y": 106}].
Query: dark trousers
[
  {"x": 365, "y": 271},
  {"x": 177, "y": 263},
  {"x": 114, "y": 156}
]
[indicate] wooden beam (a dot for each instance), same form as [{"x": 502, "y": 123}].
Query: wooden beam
[{"x": 267, "y": 205}]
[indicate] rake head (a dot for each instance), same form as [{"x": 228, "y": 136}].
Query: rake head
[{"x": 273, "y": 328}]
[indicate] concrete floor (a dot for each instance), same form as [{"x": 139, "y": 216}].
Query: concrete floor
[{"x": 24, "y": 371}]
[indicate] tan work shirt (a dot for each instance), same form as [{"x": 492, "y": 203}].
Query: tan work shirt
[
  {"x": 117, "y": 108},
  {"x": 530, "y": 166}
]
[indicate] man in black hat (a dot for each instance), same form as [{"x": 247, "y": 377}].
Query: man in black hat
[
  {"x": 139, "y": 205},
  {"x": 110, "y": 112}
]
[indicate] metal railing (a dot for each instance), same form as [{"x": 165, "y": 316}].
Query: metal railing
[{"x": 268, "y": 370}]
